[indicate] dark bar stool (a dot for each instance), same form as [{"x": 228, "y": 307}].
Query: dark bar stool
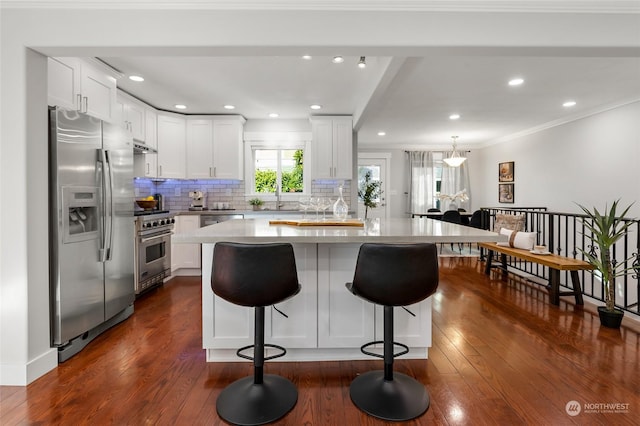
[
  {"x": 392, "y": 275},
  {"x": 255, "y": 275}
]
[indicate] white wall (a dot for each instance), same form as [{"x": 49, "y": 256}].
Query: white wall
[
  {"x": 24, "y": 321},
  {"x": 591, "y": 161}
]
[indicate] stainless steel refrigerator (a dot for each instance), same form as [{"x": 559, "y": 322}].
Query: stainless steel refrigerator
[{"x": 91, "y": 228}]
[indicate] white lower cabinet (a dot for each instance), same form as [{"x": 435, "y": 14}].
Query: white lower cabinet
[
  {"x": 231, "y": 326},
  {"x": 344, "y": 320},
  {"x": 325, "y": 321},
  {"x": 186, "y": 258}
]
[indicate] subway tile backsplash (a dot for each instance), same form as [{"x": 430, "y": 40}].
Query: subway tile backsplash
[{"x": 175, "y": 192}]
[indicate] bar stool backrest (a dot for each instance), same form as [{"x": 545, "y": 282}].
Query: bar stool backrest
[
  {"x": 396, "y": 274},
  {"x": 254, "y": 274}
]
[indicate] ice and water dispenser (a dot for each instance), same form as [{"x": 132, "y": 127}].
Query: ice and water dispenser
[{"x": 80, "y": 213}]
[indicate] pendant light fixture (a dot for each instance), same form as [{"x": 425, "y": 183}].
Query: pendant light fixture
[{"x": 455, "y": 159}]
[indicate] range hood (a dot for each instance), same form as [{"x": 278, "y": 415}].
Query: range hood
[{"x": 143, "y": 148}]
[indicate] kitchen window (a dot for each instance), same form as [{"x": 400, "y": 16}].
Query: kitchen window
[{"x": 274, "y": 165}]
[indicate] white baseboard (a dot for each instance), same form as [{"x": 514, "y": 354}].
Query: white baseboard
[{"x": 23, "y": 374}]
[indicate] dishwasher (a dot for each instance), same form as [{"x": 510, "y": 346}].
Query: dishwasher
[{"x": 211, "y": 219}]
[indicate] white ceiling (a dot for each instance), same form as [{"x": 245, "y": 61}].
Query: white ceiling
[{"x": 408, "y": 98}]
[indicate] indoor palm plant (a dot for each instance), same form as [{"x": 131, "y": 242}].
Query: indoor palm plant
[{"x": 604, "y": 230}]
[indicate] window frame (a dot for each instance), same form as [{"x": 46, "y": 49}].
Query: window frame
[{"x": 279, "y": 142}]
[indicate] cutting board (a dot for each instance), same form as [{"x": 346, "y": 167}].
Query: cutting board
[{"x": 304, "y": 222}]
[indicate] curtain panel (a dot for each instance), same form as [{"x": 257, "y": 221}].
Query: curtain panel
[
  {"x": 454, "y": 181},
  {"x": 422, "y": 180}
]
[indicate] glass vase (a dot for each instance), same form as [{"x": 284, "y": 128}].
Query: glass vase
[{"x": 340, "y": 207}]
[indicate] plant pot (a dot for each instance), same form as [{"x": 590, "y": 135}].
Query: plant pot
[
  {"x": 256, "y": 207},
  {"x": 610, "y": 319}
]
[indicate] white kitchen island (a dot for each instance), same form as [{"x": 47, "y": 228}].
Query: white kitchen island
[{"x": 324, "y": 321}]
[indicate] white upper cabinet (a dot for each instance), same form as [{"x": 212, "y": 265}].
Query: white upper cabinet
[
  {"x": 332, "y": 147},
  {"x": 171, "y": 146},
  {"x": 131, "y": 114},
  {"x": 228, "y": 148},
  {"x": 86, "y": 87},
  {"x": 151, "y": 139},
  {"x": 199, "y": 148},
  {"x": 215, "y": 147}
]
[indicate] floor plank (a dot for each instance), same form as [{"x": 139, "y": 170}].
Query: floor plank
[{"x": 501, "y": 355}]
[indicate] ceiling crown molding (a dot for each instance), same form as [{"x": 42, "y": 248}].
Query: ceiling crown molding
[{"x": 537, "y": 6}]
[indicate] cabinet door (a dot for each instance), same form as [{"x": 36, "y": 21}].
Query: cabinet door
[
  {"x": 171, "y": 147},
  {"x": 136, "y": 119},
  {"x": 63, "y": 82},
  {"x": 344, "y": 320},
  {"x": 343, "y": 148},
  {"x": 151, "y": 139},
  {"x": 186, "y": 255},
  {"x": 98, "y": 93},
  {"x": 131, "y": 115},
  {"x": 322, "y": 149},
  {"x": 199, "y": 149},
  {"x": 228, "y": 149},
  {"x": 224, "y": 325},
  {"x": 300, "y": 329},
  {"x": 413, "y": 331}
]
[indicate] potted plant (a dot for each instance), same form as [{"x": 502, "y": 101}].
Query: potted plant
[
  {"x": 605, "y": 229},
  {"x": 256, "y": 203},
  {"x": 369, "y": 192}
]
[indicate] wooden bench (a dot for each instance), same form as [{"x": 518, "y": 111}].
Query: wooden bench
[{"x": 554, "y": 262}]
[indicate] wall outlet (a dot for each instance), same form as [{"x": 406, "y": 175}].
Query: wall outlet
[
  {"x": 136, "y": 192},
  {"x": 227, "y": 191},
  {"x": 177, "y": 191}
]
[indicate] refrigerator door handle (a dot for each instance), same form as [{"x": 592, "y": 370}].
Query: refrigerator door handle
[
  {"x": 103, "y": 252},
  {"x": 109, "y": 200}
]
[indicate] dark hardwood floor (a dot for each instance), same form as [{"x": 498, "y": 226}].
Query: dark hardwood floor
[{"x": 501, "y": 355}]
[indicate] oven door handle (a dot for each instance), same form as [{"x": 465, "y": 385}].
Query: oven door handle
[{"x": 155, "y": 237}]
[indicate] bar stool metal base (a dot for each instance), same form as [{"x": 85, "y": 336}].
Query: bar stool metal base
[
  {"x": 400, "y": 399},
  {"x": 245, "y": 403}
]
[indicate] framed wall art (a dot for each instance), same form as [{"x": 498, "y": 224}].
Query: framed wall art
[
  {"x": 505, "y": 193},
  {"x": 506, "y": 171}
]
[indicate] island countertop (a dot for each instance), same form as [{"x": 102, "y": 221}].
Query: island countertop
[{"x": 397, "y": 230}]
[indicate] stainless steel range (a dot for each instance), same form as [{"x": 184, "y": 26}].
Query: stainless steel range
[{"x": 152, "y": 248}]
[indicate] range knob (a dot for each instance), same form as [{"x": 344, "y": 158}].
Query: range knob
[
  {"x": 173, "y": 220},
  {"x": 148, "y": 224},
  {"x": 155, "y": 223},
  {"x": 162, "y": 222}
]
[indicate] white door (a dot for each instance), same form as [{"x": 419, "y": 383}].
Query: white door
[{"x": 378, "y": 166}]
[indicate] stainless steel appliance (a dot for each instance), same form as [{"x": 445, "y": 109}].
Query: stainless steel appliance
[
  {"x": 152, "y": 248},
  {"x": 91, "y": 228},
  {"x": 211, "y": 219}
]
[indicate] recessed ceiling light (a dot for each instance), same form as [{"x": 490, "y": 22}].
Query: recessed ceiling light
[
  {"x": 516, "y": 82},
  {"x": 180, "y": 106},
  {"x": 307, "y": 57},
  {"x": 454, "y": 116},
  {"x": 382, "y": 133},
  {"x": 362, "y": 63},
  {"x": 229, "y": 107},
  {"x": 338, "y": 59},
  {"x": 569, "y": 104},
  {"x": 274, "y": 115},
  {"x": 136, "y": 78},
  {"x": 315, "y": 106}
]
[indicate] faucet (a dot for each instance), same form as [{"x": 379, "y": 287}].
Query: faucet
[{"x": 278, "y": 205}]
